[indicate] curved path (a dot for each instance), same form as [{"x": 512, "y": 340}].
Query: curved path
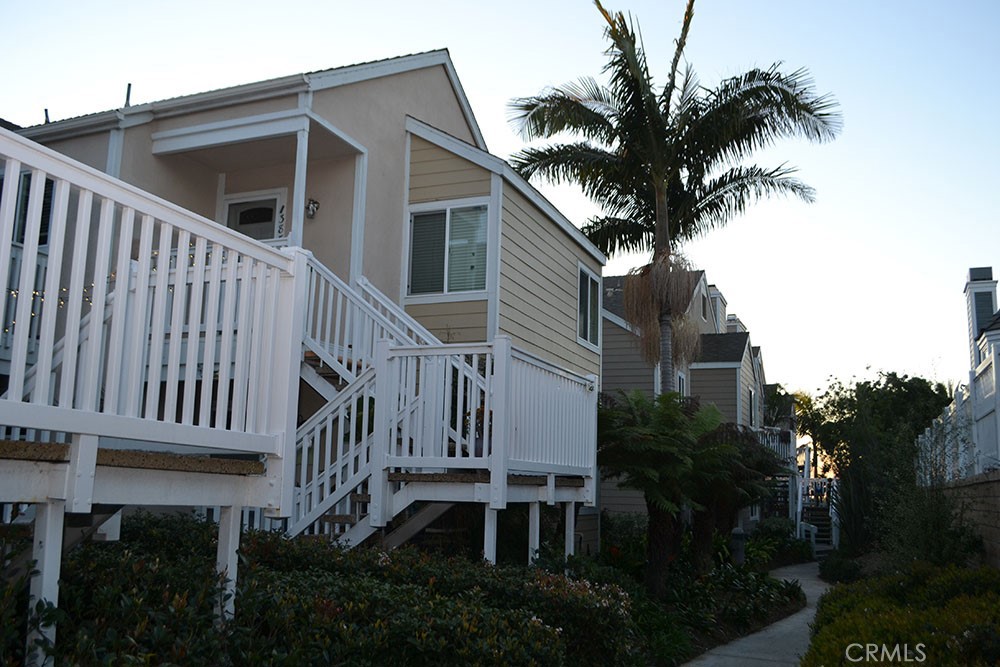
[{"x": 782, "y": 643}]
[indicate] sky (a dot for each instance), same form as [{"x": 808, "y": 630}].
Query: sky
[{"x": 868, "y": 278}]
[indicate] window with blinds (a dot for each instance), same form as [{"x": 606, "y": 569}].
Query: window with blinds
[{"x": 448, "y": 250}]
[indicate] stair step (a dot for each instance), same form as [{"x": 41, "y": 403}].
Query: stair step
[
  {"x": 361, "y": 497},
  {"x": 481, "y": 477},
  {"x": 15, "y": 531}
]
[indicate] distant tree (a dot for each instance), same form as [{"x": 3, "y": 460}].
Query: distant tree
[
  {"x": 667, "y": 164},
  {"x": 869, "y": 431}
]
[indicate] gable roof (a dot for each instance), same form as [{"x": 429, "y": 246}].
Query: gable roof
[
  {"x": 993, "y": 324},
  {"x": 269, "y": 88},
  {"x": 7, "y": 125},
  {"x": 723, "y": 348}
]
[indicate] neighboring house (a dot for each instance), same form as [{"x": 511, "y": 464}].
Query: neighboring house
[
  {"x": 965, "y": 440},
  {"x": 327, "y": 367},
  {"x": 727, "y": 371}
]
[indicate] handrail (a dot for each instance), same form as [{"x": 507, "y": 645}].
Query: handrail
[{"x": 420, "y": 334}]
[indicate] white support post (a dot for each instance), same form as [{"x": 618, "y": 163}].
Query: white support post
[
  {"x": 384, "y": 419},
  {"x": 590, "y": 484},
  {"x": 47, "y": 553},
  {"x": 502, "y": 426},
  {"x": 534, "y": 523},
  {"x": 226, "y": 561},
  {"x": 490, "y": 536},
  {"x": 82, "y": 468},
  {"x": 570, "y": 541},
  {"x": 299, "y": 188},
  {"x": 284, "y": 392}
]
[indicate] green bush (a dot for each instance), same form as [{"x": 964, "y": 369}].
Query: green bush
[
  {"x": 953, "y": 613},
  {"x": 839, "y": 568},
  {"x": 923, "y": 524}
]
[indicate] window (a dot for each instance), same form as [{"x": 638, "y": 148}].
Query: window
[
  {"x": 753, "y": 408},
  {"x": 681, "y": 388},
  {"x": 448, "y": 250},
  {"x": 589, "y": 308},
  {"x": 260, "y": 215},
  {"x": 704, "y": 307}
]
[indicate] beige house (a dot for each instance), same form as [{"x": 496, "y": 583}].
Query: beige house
[
  {"x": 726, "y": 372},
  {"x": 326, "y": 274}
]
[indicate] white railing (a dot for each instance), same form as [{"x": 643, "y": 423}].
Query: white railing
[
  {"x": 212, "y": 360},
  {"x": 36, "y": 295},
  {"x": 518, "y": 414},
  {"x": 554, "y": 417},
  {"x": 779, "y": 441},
  {"x": 342, "y": 328},
  {"x": 395, "y": 314},
  {"x": 332, "y": 454}
]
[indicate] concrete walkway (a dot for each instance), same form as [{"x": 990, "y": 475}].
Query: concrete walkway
[{"x": 782, "y": 643}]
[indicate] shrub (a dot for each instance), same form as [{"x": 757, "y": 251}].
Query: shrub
[
  {"x": 953, "y": 613},
  {"x": 839, "y": 568}
]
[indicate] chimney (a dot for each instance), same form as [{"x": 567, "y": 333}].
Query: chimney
[
  {"x": 734, "y": 324},
  {"x": 719, "y": 308},
  {"x": 981, "y": 305}
]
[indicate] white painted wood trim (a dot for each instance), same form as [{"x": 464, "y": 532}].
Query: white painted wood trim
[
  {"x": 494, "y": 234},
  {"x": 704, "y": 365},
  {"x": 581, "y": 267},
  {"x": 450, "y": 297},
  {"x": 299, "y": 187},
  {"x": 358, "y": 217},
  {"x": 231, "y": 131},
  {"x": 49, "y": 418},
  {"x": 619, "y": 321},
  {"x": 404, "y": 261},
  {"x": 116, "y": 145}
]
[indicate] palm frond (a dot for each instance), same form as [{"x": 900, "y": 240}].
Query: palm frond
[
  {"x": 559, "y": 163},
  {"x": 614, "y": 235},
  {"x": 584, "y": 107},
  {"x": 729, "y": 195}
]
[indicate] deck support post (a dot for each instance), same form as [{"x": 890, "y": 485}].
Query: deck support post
[
  {"x": 490, "y": 536},
  {"x": 226, "y": 561},
  {"x": 570, "y": 536},
  {"x": 534, "y": 522},
  {"x": 47, "y": 553}
]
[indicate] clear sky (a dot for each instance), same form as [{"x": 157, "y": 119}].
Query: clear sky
[{"x": 868, "y": 278}]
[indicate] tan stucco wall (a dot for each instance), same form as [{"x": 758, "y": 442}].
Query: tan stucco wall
[
  {"x": 90, "y": 149},
  {"x": 374, "y": 114}
]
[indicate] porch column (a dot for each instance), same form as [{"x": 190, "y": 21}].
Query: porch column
[
  {"x": 570, "y": 528},
  {"x": 226, "y": 561},
  {"x": 47, "y": 552},
  {"x": 490, "y": 536},
  {"x": 298, "y": 203},
  {"x": 534, "y": 521}
]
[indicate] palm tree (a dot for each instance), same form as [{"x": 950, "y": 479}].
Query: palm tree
[
  {"x": 667, "y": 165},
  {"x": 652, "y": 445}
]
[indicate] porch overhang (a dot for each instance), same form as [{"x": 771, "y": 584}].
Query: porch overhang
[{"x": 293, "y": 136}]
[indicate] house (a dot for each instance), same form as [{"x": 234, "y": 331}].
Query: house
[
  {"x": 964, "y": 441},
  {"x": 725, "y": 371},
  {"x": 316, "y": 299}
]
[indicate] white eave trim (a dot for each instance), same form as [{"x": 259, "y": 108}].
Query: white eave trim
[
  {"x": 704, "y": 365},
  {"x": 236, "y": 130},
  {"x": 615, "y": 319},
  {"x": 495, "y": 165}
]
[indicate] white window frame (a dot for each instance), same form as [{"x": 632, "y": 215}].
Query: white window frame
[
  {"x": 591, "y": 345},
  {"x": 281, "y": 217},
  {"x": 682, "y": 384},
  {"x": 445, "y": 296}
]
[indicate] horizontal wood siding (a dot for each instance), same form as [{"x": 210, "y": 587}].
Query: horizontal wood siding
[
  {"x": 716, "y": 386},
  {"x": 621, "y": 500},
  {"x": 539, "y": 279},
  {"x": 747, "y": 382},
  {"x": 622, "y": 366},
  {"x": 456, "y": 322},
  {"x": 436, "y": 174}
]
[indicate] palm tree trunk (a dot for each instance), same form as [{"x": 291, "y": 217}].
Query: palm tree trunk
[
  {"x": 663, "y": 540},
  {"x": 661, "y": 253}
]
